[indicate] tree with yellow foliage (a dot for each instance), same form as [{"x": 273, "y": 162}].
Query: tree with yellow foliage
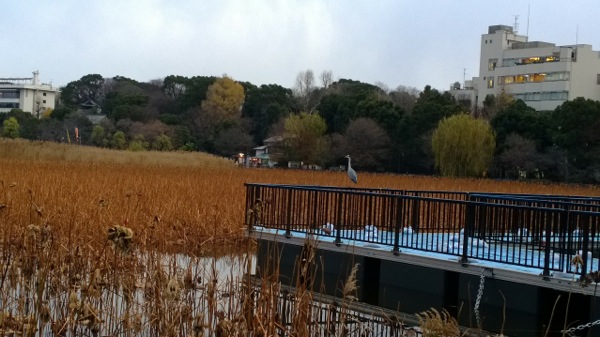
[
  {"x": 224, "y": 100},
  {"x": 222, "y": 109},
  {"x": 463, "y": 146}
]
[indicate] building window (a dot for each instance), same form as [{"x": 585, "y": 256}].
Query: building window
[
  {"x": 535, "y": 77},
  {"x": 490, "y": 83},
  {"x": 44, "y": 94},
  {"x": 557, "y": 76},
  {"x": 44, "y": 101},
  {"x": 598, "y": 79},
  {"x": 506, "y": 79},
  {"x": 554, "y": 96},
  {"x": 9, "y": 93},
  {"x": 509, "y": 62},
  {"x": 7, "y": 105},
  {"x": 492, "y": 64}
]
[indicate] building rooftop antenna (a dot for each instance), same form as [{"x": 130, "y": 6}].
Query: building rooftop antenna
[{"x": 516, "y": 25}]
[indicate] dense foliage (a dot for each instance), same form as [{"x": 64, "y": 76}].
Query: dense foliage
[
  {"x": 463, "y": 146},
  {"x": 382, "y": 129}
]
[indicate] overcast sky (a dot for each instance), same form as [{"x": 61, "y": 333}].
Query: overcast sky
[{"x": 395, "y": 42}]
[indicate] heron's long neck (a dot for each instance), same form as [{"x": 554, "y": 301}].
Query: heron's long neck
[{"x": 348, "y": 163}]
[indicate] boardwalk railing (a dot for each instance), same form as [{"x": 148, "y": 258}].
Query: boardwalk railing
[
  {"x": 329, "y": 317},
  {"x": 535, "y": 231}
]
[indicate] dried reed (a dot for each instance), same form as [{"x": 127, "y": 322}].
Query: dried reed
[{"x": 97, "y": 242}]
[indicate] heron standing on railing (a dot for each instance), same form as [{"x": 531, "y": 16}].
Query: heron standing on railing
[{"x": 351, "y": 172}]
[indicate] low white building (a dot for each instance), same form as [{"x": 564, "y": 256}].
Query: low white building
[
  {"x": 465, "y": 95},
  {"x": 540, "y": 73},
  {"x": 27, "y": 94},
  {"x": 264, "y": 154}
]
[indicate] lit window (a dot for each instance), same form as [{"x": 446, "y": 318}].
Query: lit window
[
  {"x": 539, "y": 77},
  {"x": 490, "y": 83},
  {"x": 492, "y": 64}
]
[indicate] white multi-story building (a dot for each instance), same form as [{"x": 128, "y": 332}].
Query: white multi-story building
[
  {"x": 540, "y": 73},
  {"x": 27, "y": 94}
]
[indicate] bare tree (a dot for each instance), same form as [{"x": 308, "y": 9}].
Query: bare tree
[
  {"x": 405, "y": 97},
  {"x": 305, "y": 85},
  {"x": 384, "y": 87},
  {"x": 39, "y": 106},
  {"x": 107, "y": 86},
  {"x": 384, "y": 93},
  {"x": 326, "y": 78},
  {"x": 520, "y": 156},
  {"x": 366, "y": 142},
  {"x": 493, "y": 104},
  {"x": 157, "y": 82}
]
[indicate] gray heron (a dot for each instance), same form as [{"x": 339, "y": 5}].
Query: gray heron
[{"x": 351, "y": 173}]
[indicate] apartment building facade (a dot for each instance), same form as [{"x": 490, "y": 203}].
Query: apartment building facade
[
  {"x": 540, "y": 73},
  {"x": 27, "y": 94}
]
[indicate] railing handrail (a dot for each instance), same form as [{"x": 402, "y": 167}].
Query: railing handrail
[
  {"x": 357, "y": 191},
  {"x": 472, "y": 193}
]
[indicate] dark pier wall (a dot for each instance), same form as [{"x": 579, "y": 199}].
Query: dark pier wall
[
  {"x": 330, "y": 270},
  {"x": 514, "y": 308}
]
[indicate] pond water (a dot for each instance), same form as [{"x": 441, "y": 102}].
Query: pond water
[{"x": 132, "y": 295}]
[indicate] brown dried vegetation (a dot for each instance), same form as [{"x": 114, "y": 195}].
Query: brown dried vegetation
[{"x": 96, "y": 242}]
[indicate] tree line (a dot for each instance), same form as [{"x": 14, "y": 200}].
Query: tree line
[{"x": 401, "y": 130}]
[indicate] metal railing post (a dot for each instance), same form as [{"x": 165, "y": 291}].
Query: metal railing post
[
  {"x": 254, "y": 206},
  {"x": 398, "y": 227},
  {"x": 586, "y": 242},
  {"x": 338, "y": 220},
  {"x": 547, "y": 246},
  {"x": 315, "y": 206},
  {"x": 565, "y": 238},
  {"x": 469, "y": 225},
  {"x": 482, "y": 230},
  {"x": 288, "y": 223}
]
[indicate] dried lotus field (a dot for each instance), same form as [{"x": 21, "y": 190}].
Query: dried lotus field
[{"x": 114, "y": 243}]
